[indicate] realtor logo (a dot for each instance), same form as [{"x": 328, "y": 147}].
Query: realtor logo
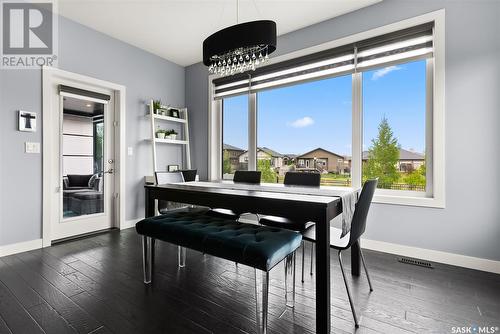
[{"x": 28, "y": 34}]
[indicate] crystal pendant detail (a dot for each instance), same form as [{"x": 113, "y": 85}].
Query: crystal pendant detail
[{"x": 239, "y": 60}]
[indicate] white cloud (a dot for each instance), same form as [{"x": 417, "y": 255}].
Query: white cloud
[
  {"x": 302, "y": 122},
  {"x": 384, "y": 71}
]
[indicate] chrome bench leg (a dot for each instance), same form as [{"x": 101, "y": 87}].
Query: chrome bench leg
[
  {"x": 261, "y": 299},
  {"x": 148, "y": 249},
  {"x": 181, "y": 255},
  {"x": 312, "y": 258},
  {"x": 290, "y": 280},
  {"x": 303, "y": 258}
]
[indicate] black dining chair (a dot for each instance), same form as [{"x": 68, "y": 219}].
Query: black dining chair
[
  {"x": 240, "y": 176},
  {"x": 358, "y": 225},
  {"x": 294, "y": 179},
  {"x": 189, "y": 174}
]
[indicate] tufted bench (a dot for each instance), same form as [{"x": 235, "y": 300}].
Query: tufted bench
[{"x": 257, "y": 246}]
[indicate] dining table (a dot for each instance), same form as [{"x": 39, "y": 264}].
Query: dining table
[{"x": 315, "y": 204}]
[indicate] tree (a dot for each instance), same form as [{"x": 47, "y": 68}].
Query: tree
[
  {"x": 416, "y": 177},
  {"x": 383, "y": 156},
  {"x": 267, "y": 173},
  {"x": 226, "y": 163}
]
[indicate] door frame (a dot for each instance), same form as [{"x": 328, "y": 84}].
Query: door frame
[{"x": 51, "y": 76}]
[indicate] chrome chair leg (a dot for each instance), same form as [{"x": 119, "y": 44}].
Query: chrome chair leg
[
  {"x": 261, "y": 299},
  {"x": 366, "y": 270},
  {"x": 348, "y": 291},
  {"x": 303, "y": 258},
  {"x": 290, "y": 280},
  {"x": 181, "y": 255},
  {"x": 147, "y": 258}
]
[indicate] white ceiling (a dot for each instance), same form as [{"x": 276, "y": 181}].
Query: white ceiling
[{"x": 175, "y": 29}]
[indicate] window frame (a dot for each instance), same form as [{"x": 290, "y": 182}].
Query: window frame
[{"x": 434, "y": 196}]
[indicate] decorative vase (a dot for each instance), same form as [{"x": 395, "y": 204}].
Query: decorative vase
[
  {"x": 173, "y": 136},
  {"x": 161, "y": 135}
]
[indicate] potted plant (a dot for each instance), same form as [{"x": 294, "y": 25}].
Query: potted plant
[
  {"x": 173, "y": 134},
  {"x": 160, "y": 133},
  {"x": 156, "y": 105}
]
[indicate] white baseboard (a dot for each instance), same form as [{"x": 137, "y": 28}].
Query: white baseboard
[
  {"x": 381, "y": 246},
  {"x": 433, "y": 255},
  {"x": 20, "y": 247},
  {"x": 130, "y": 223}
]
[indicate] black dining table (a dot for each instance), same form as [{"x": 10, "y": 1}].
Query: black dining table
[{"x": 318, "y": 205}]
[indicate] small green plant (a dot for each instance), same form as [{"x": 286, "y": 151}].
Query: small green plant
[
  {"x": 170, "y": 132},
  {"x": 160, "y": 133},
  {"x": 156, "y": 105}
]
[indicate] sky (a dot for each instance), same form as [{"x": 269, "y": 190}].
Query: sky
[{"x": 300, "y": 118}]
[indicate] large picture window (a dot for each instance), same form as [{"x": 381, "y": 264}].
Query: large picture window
[
  {"x": 370, "y": 109},
  {"x": 306, "y": 127},
  {"x": 394, "y": 110},
  {"x": 235, "y": 135}
]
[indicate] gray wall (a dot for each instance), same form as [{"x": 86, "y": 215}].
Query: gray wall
[
  {"x": 84, "y": 51},
  {"x": 470, "y": 223}
]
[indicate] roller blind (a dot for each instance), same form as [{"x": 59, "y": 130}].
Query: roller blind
[
  {"x": 77, "y": 92},
  {"x": 403, "y": 45}
]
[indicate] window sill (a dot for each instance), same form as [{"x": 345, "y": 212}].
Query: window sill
[
  {"x": 408, "y": 200},
  {"x": 385, "y": 196}
]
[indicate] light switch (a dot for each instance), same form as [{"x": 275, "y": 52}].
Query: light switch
[
  {"x": 130, "y": 150},
  {"x": 31, "y": 147}
]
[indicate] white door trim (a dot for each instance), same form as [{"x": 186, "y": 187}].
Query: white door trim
[{"x": 49, "y": 76}]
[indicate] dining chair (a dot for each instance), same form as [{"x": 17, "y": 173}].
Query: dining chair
[
  {"x": 358, "y": 225},
  {"x": 189, "y": 174},
  {"x": 165, "y": 207},
  {"x": 293, "y": 179},
  {"x": 240, "y": 176},
  {"x": 165, "y": 178}
]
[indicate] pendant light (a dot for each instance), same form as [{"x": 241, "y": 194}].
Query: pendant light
[{"x": 239, "y": 48}]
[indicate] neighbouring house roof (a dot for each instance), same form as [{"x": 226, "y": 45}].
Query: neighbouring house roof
[
  {"x": 320, "y": 149},
  {"x": 290, "y": 156},
  {"x": 269, "y": 151},
  {"x": 266, "y": 150},
  {"x": 410, "y": 155},
  {"x": 403, "y": 155},
  {"x": 231, "y": 148}
]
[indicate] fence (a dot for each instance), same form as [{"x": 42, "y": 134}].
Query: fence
[
  {"x": 402, "y": 186},
  {"x": 393, "y": 186}
]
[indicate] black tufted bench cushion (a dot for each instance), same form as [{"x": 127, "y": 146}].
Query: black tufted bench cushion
[{"x": 253, "y": 245}]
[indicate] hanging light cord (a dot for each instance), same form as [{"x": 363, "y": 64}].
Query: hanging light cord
[
  {"x": 237, "y": 11},
  {"x": 257, "y": 8}
]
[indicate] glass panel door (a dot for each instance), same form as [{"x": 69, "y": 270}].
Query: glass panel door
[{"x": 82, "y": 158}]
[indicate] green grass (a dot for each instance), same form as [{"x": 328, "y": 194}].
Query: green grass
[
  {"x": 336, "y": 177},
  {"x": 332, "y": 179}
]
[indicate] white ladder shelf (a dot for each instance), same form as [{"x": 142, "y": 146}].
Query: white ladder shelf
[{"x": 183, "y": 120}]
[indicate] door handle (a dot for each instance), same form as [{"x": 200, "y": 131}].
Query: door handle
[{"x": 110, "y": 171}]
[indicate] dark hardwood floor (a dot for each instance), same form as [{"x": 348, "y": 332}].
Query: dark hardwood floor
[{"x": 94, "y": 285}]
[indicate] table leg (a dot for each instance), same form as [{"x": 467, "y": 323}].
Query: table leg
[
  {"x": 355, "y": 259},
  {"x": 323, "y": 276},
  {"x": 149, "y": 204}
]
